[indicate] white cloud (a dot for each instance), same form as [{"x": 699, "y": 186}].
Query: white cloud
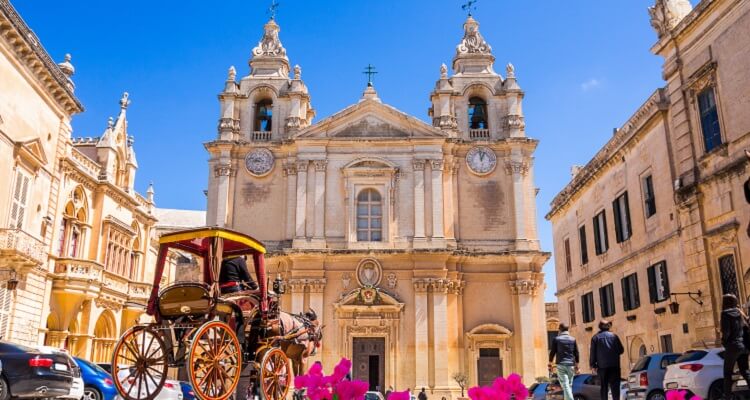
[{"x": 590, "y": 84}]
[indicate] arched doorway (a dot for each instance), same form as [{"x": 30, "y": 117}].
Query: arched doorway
[
  {"x": 637, "y": 350},
  {"x": 104, "y": 337}
]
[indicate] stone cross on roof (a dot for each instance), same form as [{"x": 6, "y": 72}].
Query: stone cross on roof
[
  {"x": 468, "y": 6},
  {"x": 369, "y": 71},
  {"x": 272, "y": 9}
]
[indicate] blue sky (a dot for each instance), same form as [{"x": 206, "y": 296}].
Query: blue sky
[{"x": 585, "y": 67}]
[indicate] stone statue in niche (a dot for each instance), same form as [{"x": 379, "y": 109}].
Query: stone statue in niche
[{"x": 346, "y": 280}]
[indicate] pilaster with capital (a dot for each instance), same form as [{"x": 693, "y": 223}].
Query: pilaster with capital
[
  {"x": 319, "y": 203},
  {"x": 421, "y": 324},
  {"x": 297, "y": 290},
  {"x": 438, "y": 228},
  {"x": 524, "y": 292},
  {"x": 300, "y": 220},
  {"x": 419, "y": 208},
  {"x": 290, "y": 173},
  {"x": 518, "y": 169}
]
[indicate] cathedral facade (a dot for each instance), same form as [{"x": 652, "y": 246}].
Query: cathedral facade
[{"x": 415, "y": 243}]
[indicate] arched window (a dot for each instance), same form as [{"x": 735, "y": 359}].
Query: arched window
[
  {"x": 369, "y": 216},
  {"x": 477, "y": 113},
  {"x": 263, "y": 115}
]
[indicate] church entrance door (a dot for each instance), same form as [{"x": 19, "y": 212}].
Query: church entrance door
[
  {"x": 489, "y": 366},
  {"x": 369, "y": 362}
]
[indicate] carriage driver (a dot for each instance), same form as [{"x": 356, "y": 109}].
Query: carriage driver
[{"x": 234, "y": 276}]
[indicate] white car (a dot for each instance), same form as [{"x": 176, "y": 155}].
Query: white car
[
  {"x": 76, "y": 388},
  {"x": 700, "y": 372},
  {"x": 170, "y": 391},
  {"x": 374, "y": 396}
]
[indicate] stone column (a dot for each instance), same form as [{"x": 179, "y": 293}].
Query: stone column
[
  {"x": 421, "y": 339},
  {"x": 56, "y": 338},
  {"x": 418, "y": 166},
  {"x": 297, "y": 289},
  {"x": 518, "y": 171},
  {"x": 443, "y": 367},
  {"x": 320, "y": 201},
  {"x": 523, "y": 291},
  {"x": 438, "y": 229},
  {"x": 290, "y": 172},
  {"x": 301, "y": 219}
]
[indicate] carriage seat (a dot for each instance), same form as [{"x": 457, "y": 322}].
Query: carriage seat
[{"x": 184, "y": 299}]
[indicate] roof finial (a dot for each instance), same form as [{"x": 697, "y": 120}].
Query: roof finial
[
  {"x": 443, "y": 71},
  {"x": 124, "y": 101},
  {"x": 369, "y": 71},
  {"x": 297, "y": 72},
  {"x": 66, "y": 67},
  {"x": 468, "y": 6},
  {"x": 232, "y": 73},
  {"x": 150, "y": 192},
  {"x": 110, "y": 123},
  {"x": 510, "y": 70}
]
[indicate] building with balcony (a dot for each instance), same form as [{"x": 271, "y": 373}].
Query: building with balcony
[
  {"x": 36, "y": 107},
  {"x": 652, "y": 231}
]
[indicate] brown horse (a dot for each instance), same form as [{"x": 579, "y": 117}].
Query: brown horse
[{"x": 301, "y": 335}]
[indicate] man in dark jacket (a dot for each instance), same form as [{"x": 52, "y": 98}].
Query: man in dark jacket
[
  {"x": 422, "y": 395},
  {"x": 565, "y": 349},
  {"x": 604, "y": 359},
  {"x": 234, "y": 276}
]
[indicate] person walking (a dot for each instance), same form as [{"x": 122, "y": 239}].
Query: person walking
[
  {"x": 565, "y": 349},
  {"x": 604, "y": 359},
  {"x": 422, "y": 395},
  {"x": 734, "y": 331}
]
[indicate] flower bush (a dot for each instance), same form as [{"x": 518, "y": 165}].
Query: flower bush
[
  {"x": 501, "y": 389},
  {"x": 679, "y": 395},
  {"x": 318, "y": 386}
]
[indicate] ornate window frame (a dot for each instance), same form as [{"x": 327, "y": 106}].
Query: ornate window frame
[
  {"x": 702, "y": 79},
  {"x": 370, "y": 173}
]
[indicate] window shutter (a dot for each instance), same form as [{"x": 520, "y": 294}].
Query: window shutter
[
  {"x": 603, "y": 301},
  {"x": 627, "y": 216},
  {"x": 625, "y": 294},
  {"x": 597, "y": 239},
  {"x": 636, "y": 294},
  {"x": 652, "y": 291},
  {"x": 604, "y": 229},
  {"x": 665, "y": 277},
  {"x": 618, "y": 224}
]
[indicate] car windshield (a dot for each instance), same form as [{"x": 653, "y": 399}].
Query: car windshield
[
  {"x": 92, "y": 366},
  {"x": 642, "y": 364},
  {"x": 371, "y": 396},
  {"x": 692, "y": 355}
]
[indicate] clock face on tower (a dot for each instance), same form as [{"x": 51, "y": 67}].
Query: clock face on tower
[
  {"x": 481, "y": 160},
  {"x": 259, "y": 162}
]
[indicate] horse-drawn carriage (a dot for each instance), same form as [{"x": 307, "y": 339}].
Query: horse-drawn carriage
[{"x": 218, "y": 340}]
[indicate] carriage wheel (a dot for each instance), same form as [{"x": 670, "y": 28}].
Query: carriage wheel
[
  {"x": 214, "y": 361},
  {"x": 139, "y": 364},
  {"x": 275, "y": 374}
]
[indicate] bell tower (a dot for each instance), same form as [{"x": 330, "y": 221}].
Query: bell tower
[
  {"x": 266, "y": 105},
  {"x": 476, "y": 103}
]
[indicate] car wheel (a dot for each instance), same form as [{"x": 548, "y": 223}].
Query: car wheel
[
  {"x": 656, "y": 395},
  {"x": 716, "y": 391},
  {"x": 4, "y": 389},
  {"x": 578, "y": 397},
  {"x": 91, "y": 393}
]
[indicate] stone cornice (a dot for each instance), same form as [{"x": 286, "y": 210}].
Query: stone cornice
[
  {"x": 656, "y": 102},
  {"x": 29, "y": 49}
]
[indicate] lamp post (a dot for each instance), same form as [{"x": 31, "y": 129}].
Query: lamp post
[{"x": 674, "y": 306}]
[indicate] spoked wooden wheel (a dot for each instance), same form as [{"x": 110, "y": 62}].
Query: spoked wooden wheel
[
  {"x": 139, "y": 364},
  {"x": 275, "y": 374},
  {"x": 214, "y": 361}
]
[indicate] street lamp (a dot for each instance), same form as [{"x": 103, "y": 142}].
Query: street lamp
[
  {"x": 674, "y": 306},
  {"x": 13, "y": 281}
]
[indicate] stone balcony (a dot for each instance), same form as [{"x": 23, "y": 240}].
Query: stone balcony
[
  {"x": 261, "y": 136},
  {"x": 19, "y": 250},
  {"x": 479, "y": 134},
  {"x": 92, "y": 280}
]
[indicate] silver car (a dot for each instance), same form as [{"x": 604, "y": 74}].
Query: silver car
[
  {"x": 585, "y": 387},
  {"x": 646, "y": 379}
]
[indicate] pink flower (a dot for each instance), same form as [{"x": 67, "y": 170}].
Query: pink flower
[
  {"x": 501, "y": 389},
  {"x": 679, "y": 395},
  {"x": 351, "y": 390},
  {"x": 399, "y": 395},
  {"x": 340, "y": 371},
  {"x": 516, "y": 386}
]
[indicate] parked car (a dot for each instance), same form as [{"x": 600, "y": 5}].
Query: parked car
[
  {"x": 187, "y": 391},
  {"x": 105, "y": 366},
  {"x": 699, "y": 372},
  {"x": 29, "y": 372},
  {"x": 172, "y": 390},
  {"x": 374, "y": 396},
  {"x": 76, "y": 388},
  {"x": 585, "y": 387},
  {"x": 98, "y": 384},
  {"x": 538, "y": 391},
  {"x": 646, "y": 379}
]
